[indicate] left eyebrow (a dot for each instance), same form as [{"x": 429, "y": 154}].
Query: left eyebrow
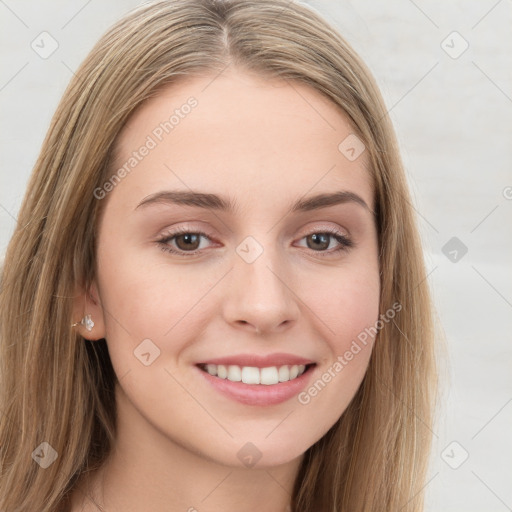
[
  {"x": 326, "y": 200},
  {"x": 222, "y": 203}
]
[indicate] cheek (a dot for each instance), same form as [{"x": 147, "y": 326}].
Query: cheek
[
  {"x": 144, "y": 298},
  {"x": 357, "y": 309},
  {"x": 347, "y": 311},
  {"x": 346, "y": 302}
]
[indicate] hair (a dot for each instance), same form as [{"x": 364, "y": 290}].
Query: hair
[{"x": 57, "y": 388}]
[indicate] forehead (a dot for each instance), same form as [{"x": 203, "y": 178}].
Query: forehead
[{"x": 243, "y": 134}]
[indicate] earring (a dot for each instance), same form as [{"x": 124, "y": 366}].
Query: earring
[{"x": 86, "y": 322}]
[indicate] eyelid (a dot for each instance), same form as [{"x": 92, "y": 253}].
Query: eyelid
[
  {"x": 327, "y": 228},
  {"x": 170, "y": 232}
]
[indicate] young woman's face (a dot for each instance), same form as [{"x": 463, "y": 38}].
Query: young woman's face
[{"x": 211, "y": 249}]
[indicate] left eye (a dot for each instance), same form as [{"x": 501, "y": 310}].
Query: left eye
[{"x": 322, "y": 241}]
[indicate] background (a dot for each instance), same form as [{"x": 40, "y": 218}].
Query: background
[{"x": 445, "y": 72}]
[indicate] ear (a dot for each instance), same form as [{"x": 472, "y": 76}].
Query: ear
[{"x": 87, "y": 302}]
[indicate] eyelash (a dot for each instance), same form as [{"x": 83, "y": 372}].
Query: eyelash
[{"x": 345, "y": 242}]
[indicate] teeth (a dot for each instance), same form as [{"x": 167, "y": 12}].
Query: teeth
[
  {"x": 211, "y": 369},
  {"x": 234, "y": 373},
  {"x": 252, "y": 375},
  {"x": 269, "y": 375},
  {"x": 284, "y": 374},
  {"x": 222, "y": 371}
]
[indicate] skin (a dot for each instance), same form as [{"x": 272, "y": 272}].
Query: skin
[{"x": 265, "y": 144}]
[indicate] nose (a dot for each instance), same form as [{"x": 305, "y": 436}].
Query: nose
[{"x": 260, "y": 295}]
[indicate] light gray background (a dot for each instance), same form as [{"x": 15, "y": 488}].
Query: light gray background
[{"x": 452, "y": 117}]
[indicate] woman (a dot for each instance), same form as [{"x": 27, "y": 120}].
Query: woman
[{"x": 215, "y": 297}]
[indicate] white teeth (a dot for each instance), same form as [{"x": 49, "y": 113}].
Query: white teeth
[
  {"x": 234, "y": 373},
  {"x": 284, "y": 374},
  {"x": 252, "y": 375},
  {"x": 222, "y": 371},
  {"x": 269, "y": 376}
]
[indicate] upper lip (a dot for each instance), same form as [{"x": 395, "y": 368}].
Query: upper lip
[{"x": 258, "y": 361}]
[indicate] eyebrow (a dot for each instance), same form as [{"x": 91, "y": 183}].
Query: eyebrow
[{"x": 221, "y": 203}]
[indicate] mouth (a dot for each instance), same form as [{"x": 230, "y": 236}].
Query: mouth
[
  {"x": 257, "y": 386},
  {"x": 256, "y": 376}
]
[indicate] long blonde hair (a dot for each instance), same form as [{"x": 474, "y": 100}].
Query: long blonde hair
[{"x": 58, "y": 389}]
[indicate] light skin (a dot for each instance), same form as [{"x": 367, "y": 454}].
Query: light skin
[{"x": 264, "y": 145}]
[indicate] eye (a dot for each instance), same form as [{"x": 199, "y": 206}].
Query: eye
[
  {"x": 319, "y": 241},
  {"x": 187, "y": 242}
]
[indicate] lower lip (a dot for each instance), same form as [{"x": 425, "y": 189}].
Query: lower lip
[{"x": 259, "y": 394}]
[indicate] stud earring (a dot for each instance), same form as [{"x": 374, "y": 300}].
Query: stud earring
[{"x": 86, "y": 322}]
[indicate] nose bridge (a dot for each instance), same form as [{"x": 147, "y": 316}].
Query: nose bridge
[{"x": 260, "y": 291}]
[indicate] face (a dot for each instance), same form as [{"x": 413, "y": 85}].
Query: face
[{"x": 255, "y": 272}]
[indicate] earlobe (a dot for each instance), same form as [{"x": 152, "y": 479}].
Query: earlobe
[
  {"x": 88, "y": 314},
  {"x": 86, "y": 321}
]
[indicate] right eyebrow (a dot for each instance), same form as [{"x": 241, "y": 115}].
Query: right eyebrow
[{"x": 186, "y": 198}]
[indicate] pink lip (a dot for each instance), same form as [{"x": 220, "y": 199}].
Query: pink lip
[
  {"x": 259, "y": 394},
  {"x": 278, "y": 359}
]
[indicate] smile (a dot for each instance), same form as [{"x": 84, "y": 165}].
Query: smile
[
  {"x": 250, "y": 385},
  {"x": 252, "y": 375}
]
